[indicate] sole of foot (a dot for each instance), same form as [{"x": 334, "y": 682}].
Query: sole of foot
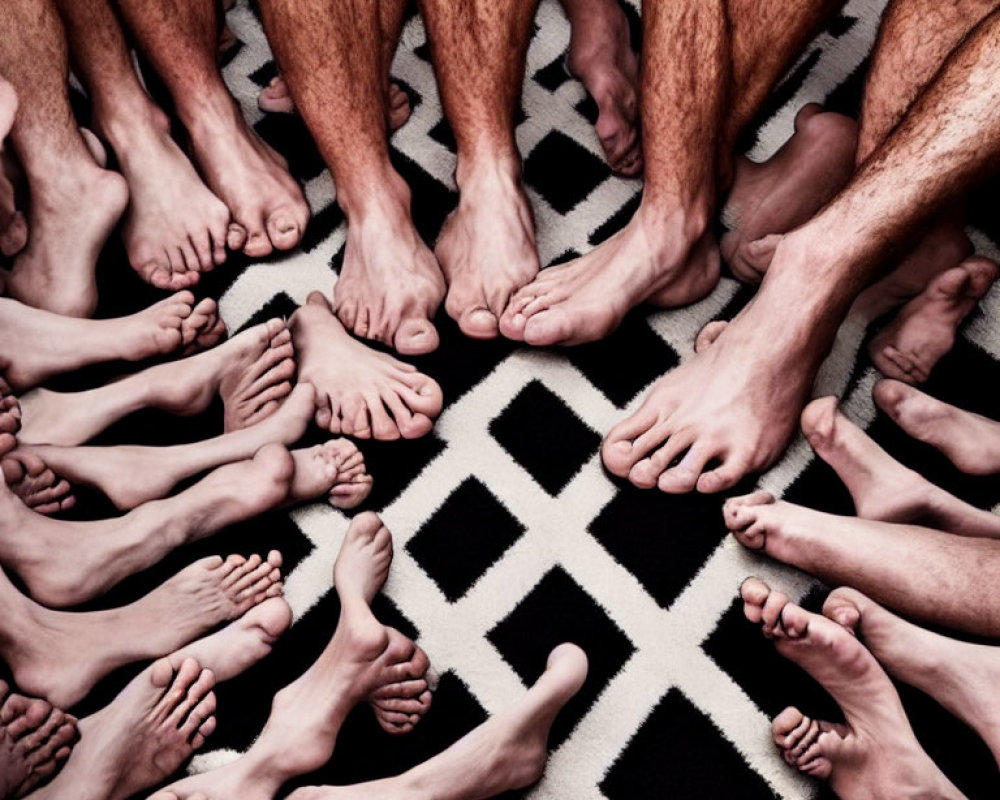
[
  {"x": 925, "y": 329},
  {"x": 360, "y": 392},
  {"x": 334, "y": 470},
  {"x": 848, "y": 755},
  {"x": 970, "y": 441}
]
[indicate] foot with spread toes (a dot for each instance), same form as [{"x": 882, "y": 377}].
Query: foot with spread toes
[{"x": 35, "y": 740}]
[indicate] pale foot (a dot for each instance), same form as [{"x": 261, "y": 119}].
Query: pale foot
[
  {"x": 925, "y": 328},
  {"x": 334, "y": 470},
  {"x": 586, "y": 299},
  {"x": 307, "y": 714},
  {"x": 13, "y": 225},
  {"x": 850, "y": 756},
  {"x": 733, "y": 405},
  {"x": 70, "y": 220},
  {"x": 69, "y": 652},
  {"x": 37, "y": 486},
  {"x": 390, "y": 285},
  {"x": 175, "y": 228},
  {"x": 157, "y": 722},
  {"x": 10, "y": 418},
  {"x": 359, "y": 392},
  {"x": 487, "y": 248},
  {"x": 276, "y": 99},
  {"x": 51, "y": 344},
  {"x": 35, "y": 739},
  {"x": 402, "y": 700},
  {"x": 971, "y": 441},
  {"x": 780, "y": 194},
  {"x": 881, "y": 487},
  {"x": 601, "y": 56},
  {"x": 960, "y": 675},
  {"x": 506, "y": 752},
  {"x": 267, "y": 207},
  {"x": 130, "y": 475}
]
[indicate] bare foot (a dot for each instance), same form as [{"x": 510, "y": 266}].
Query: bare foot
[
  {"x": 50, "y": 344},
  {"x": 959, "y": 675},
  {"x": 390, "y": 285},
  {"x": 276, "y": 99},
  {"x": 175, "y": 228},
  {"x": 506, "y": 752},
  {"x": 925, "y": 328},
  {"x": 10, "y": 418},
  {"x": 601, "y": 56},
  {"x": 13, "y": 225},
  {"x": 267, "y": 206},
  {"x": 37, "y": 486},
  {"x": 487, "y": 248},
  {"x": 401, "y": 702},
  {"x": 64, "y": 563},
  {"x": 359, "y": 392},
  {"x": 881, "y": 487},
  {"x": 334, "y": 470},
  {"x": 142, "y": 737},
  {"x": 70, "y": 219},
  {"x": 584, "y": 300},
  {"x": 251, "y": 372},
  {"x": 733, "y": 405},
  {"x": 130, "y": 475},
  {"x": 307, "y": 714},
  {"x": 242, "y": 643},
  {"x": 35, "y": 739},
  {"x": 780, "y": 194},
  {"x": 971, "y": 441},
  {"x": 850, "y": 756},
  {"x": 69, "y": 652}
]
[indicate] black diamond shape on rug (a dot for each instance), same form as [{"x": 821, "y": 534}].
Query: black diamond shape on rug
[
  {"x": 441, "y": 546},
  {"x": 557, "y": 610},
  {"x": 552, "y": 76},
  {"x": 544, "y": 436},
  {"x": 679, "y": 753},
  {"x": 619, "y": 379},
  {"x": 661, "y": 539},
  {"x": 616, "y": 221},
  {"x": 563, "y": 172},
  {"x": 443, "y": 134}
]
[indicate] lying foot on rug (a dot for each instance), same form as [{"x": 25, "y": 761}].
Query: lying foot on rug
[
  {"x": 971, "y": 441},
  {"x": 850, "y": 756},
  {"x": 35, "y": 740},
  {"x": 334, "y": 470},
  {"x": 359, "y": 391}
]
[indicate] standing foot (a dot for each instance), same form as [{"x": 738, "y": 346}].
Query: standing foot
[
  {"x": 586, "y": 299},
  {"x": 881, "y": 487},
  {"x": 37, "y": 486},
  {"x": 971, "y": 441},
  {"x": 770, "y": 199},
  {"x": 267, "y": 208},
  {"x": 925, "y": 328},
  {"x": 601, "y": 56},
  {"x": 335, "y": 470},
  {"x": 850, "y": 756},
  {"x": 487, "y": 247},
  {"x": 35, "y": 740},
  {"x": 157, "y": 722},
  {"x": 359, "y": 392},
  {"x": 959, "y": 675}
]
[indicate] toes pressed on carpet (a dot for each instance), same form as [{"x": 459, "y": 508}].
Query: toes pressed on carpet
[{"x": 509, "y": 536}]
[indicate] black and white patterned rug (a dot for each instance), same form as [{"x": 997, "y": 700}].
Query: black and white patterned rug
[{"x": 509, "y": 536}]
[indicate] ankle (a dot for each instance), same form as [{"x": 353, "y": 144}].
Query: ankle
[
  {"x": 126, "y": 125},
  {"x": 669, "y": 228},
  {"x": 489, "y": 166},
  {"x": 381, "y": 193}
]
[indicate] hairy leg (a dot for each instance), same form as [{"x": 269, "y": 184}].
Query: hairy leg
[{"x": 332, "y": 59}]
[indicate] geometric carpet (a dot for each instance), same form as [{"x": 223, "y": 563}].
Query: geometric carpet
[{"x": 509, "y": 536}]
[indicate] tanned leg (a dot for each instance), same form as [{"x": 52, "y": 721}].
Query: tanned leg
[
  {"x": 13, "y": 223},
  {"x": 175, "y": 227},
  {"x": 736, "y": 403},
  {"x": 331, "y": 56},
  {"x": 267, "y": 207},
  {"x": 706, "y": 68},
  {"x": 487, "y": 246},
  {"x": 74, "y": 203}
]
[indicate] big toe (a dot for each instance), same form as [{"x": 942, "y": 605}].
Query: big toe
[
  {"x": 547, "y": 327},
  {"x": 479, "y": 323},
  {"x": 283, "y": 230},
  {"x": 415, "y": 337}
]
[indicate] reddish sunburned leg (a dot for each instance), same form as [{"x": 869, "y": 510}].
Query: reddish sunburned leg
[{"x": 849, "y": 755}]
